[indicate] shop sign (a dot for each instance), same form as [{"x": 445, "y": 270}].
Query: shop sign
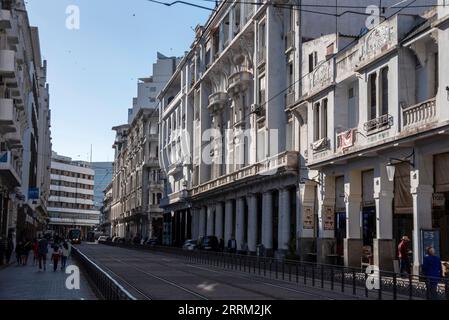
[
  {"x": 308, "y": 218},
  {"x": 438, "y": 200},
  {"x": 430, "y": 238},
  {"x": 328, "y": 218}
]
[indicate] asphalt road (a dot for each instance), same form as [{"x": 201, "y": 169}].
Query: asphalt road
[{"x": 154, "y": 276}]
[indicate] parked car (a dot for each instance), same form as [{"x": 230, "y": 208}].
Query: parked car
[
  {"x": 209, "y": 243},
  {"x": 102, "y": 239},
  {"x": 189, "y": 245},
  {"x": 152, "y": 242}
]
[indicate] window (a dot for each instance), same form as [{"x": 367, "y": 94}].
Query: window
[
  {"x": 262, "y": 36},
  {"x": 384, "y": 74},
  {"x": 313, "y": 60},
  {"x": 324, "y": 120},
  {"x": 262, "y": 86},
  {"x": 316, "y": 122},
  {"x": 372, "y": 87},
  {"x": 153, "y": 89}
]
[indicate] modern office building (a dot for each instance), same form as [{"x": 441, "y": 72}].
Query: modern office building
[
  {"x": 103, "y": 177},
  {"x": 71, "y": 202},
  {"x": 25, "y": 143},
  {"x": 255, "y": 127}
]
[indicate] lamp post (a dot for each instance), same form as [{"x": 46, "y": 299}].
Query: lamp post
[{"x": 391, "y": 165}]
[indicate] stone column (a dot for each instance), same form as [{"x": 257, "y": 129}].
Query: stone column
[
  {"x": 326, "y": 243},
  {"x": 195, "y": 223},
  {"x": 202, "y": 222},
  {"x": 210, "y": 220},
  {"x": 219, "y": 220},
  {"x": 383, "y": 246},
  {"x": 252, "y": 222},
  {"x": 284, "y": 220},
  {"x": 421, "y": 182},
  {"x": 353, "y": 243},
  {"x": 267, "y": 221},
  {"x": 228, "y": 221},
  {"x": 305, "y": 204},
  {"x": 240, "y": 223}
]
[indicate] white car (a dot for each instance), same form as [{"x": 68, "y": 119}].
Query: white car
[
  {"x": 189, "y": 245},
  {"x": 102, "y": 239}
]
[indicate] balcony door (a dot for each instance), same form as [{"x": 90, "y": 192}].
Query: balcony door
[{"x": 353, "y": 110}]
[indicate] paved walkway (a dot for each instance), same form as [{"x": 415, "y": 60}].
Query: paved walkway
[{"x": 28, "y": 283}]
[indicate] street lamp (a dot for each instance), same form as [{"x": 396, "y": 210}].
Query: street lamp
[{"x": 391, "y": 165}]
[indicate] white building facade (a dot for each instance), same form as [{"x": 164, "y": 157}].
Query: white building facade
[
  {"x": 71, "y": 201},
  {"x": 25, "y": 143},
  {"x": 282, "y": 91}
]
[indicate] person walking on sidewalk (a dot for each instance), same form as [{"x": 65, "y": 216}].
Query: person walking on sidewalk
[
  {"x": 19, "y": 249},
  {"x": 9, "y": 249},
  {"x": 27, "y": 247},
  {"x": 403, "y": 251},
  {"x": 55, "y": 256},
  {"x": 433, "y": 271},
  {"x": 64, "y": 255},
  {"x": 42, "y": 253},
  {"x": 35, "y": 252}
]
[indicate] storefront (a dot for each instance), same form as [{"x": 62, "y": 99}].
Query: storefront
[
  {"x": 340, "y": 215},
  {"x": 440, "y": 211}
]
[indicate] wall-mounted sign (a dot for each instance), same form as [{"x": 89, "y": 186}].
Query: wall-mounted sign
[
  {"x": 328, "y": 218},
  {"x": 430, "y": 238},
  {"x": 33, "y": 193},
  {"x": 308, "y": 220},
  {"x": 438, "y": 200}
]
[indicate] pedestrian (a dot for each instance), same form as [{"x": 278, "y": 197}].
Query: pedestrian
[
  {"x": 9, "y": 249},
  {"x": 55, "y": 256},
  {"x": 403, "y": 252},
  {"x": 18, "y": 250},
  {"x": 64, "y": 255},
  {"x": 221, "y": 245},
  {"x": 27, "y": 247},
  {"x": 42, "y": 253},
  {"x": 433, "y": 271},
  {"x": 35, "y": 252}
]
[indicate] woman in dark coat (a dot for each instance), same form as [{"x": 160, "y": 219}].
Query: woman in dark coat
[{"x": 433, "y": 271}]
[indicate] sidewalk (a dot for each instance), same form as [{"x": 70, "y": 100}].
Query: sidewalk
[{"x": 28, "y": 283}]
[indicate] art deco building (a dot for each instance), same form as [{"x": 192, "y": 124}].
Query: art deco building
[{"x": 253, "y": 122}]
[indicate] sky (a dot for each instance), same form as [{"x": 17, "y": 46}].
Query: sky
[{"x": 93, "y": 71}]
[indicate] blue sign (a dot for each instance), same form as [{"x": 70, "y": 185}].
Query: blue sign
[
  {"x": 33, "y": 193},
  {"x": 430, "y": 238}
]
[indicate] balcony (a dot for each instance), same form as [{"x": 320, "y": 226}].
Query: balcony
[
  {"x": 420, "y": 114},
  {"x": 151, "y": 161},
  {"x": 10, "y": 168},
  {"x": 286, "y": 161},
  {"x": 7, "y": 63},
  {"x": 5, "y": 19},
  {"x": 289, "y": 41},
  {"x": 174, "y": 198},
  {"x": 379, "y": 124},
  {"x": 217, "y": 101},
  {"x": 239, "y": 81},
  {"x": 320, "y": 145},
  {"x": 14, "y": 140},
  {"x": 6, "y": 111}
]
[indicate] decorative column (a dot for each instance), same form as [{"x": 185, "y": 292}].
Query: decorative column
[
  {"x": 326, "y": 217},
  {"x": 252, "y": 222},
  {"x": 202, "y": 222},
  {"x": 353, "y": 198},
  {"x": 195, "y": 223},
  {"x": 267, "y": 221},
  {"x": 219, "y": 220},
  {"x": 210, "y": 220},
  {"x": 305, "y": 217},
  {"x": 284, "y": 220},
  {"x": 383, "y": 246},
  {"x": 421, "y": 182},
  {"x": 240, "y": 224},
  {"x": 228, "y": 221}
]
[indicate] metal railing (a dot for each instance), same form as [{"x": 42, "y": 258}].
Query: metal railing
[
  {"x": 103, "y": 282},
  {"x": 382, "y": 285}
]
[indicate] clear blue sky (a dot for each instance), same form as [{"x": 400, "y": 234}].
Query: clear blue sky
[{"x": 93, "y": 71}]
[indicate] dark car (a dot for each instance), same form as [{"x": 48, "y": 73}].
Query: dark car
[
  {"x": 152, "y": 242},
  {"x": 209, "y": 243}
]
